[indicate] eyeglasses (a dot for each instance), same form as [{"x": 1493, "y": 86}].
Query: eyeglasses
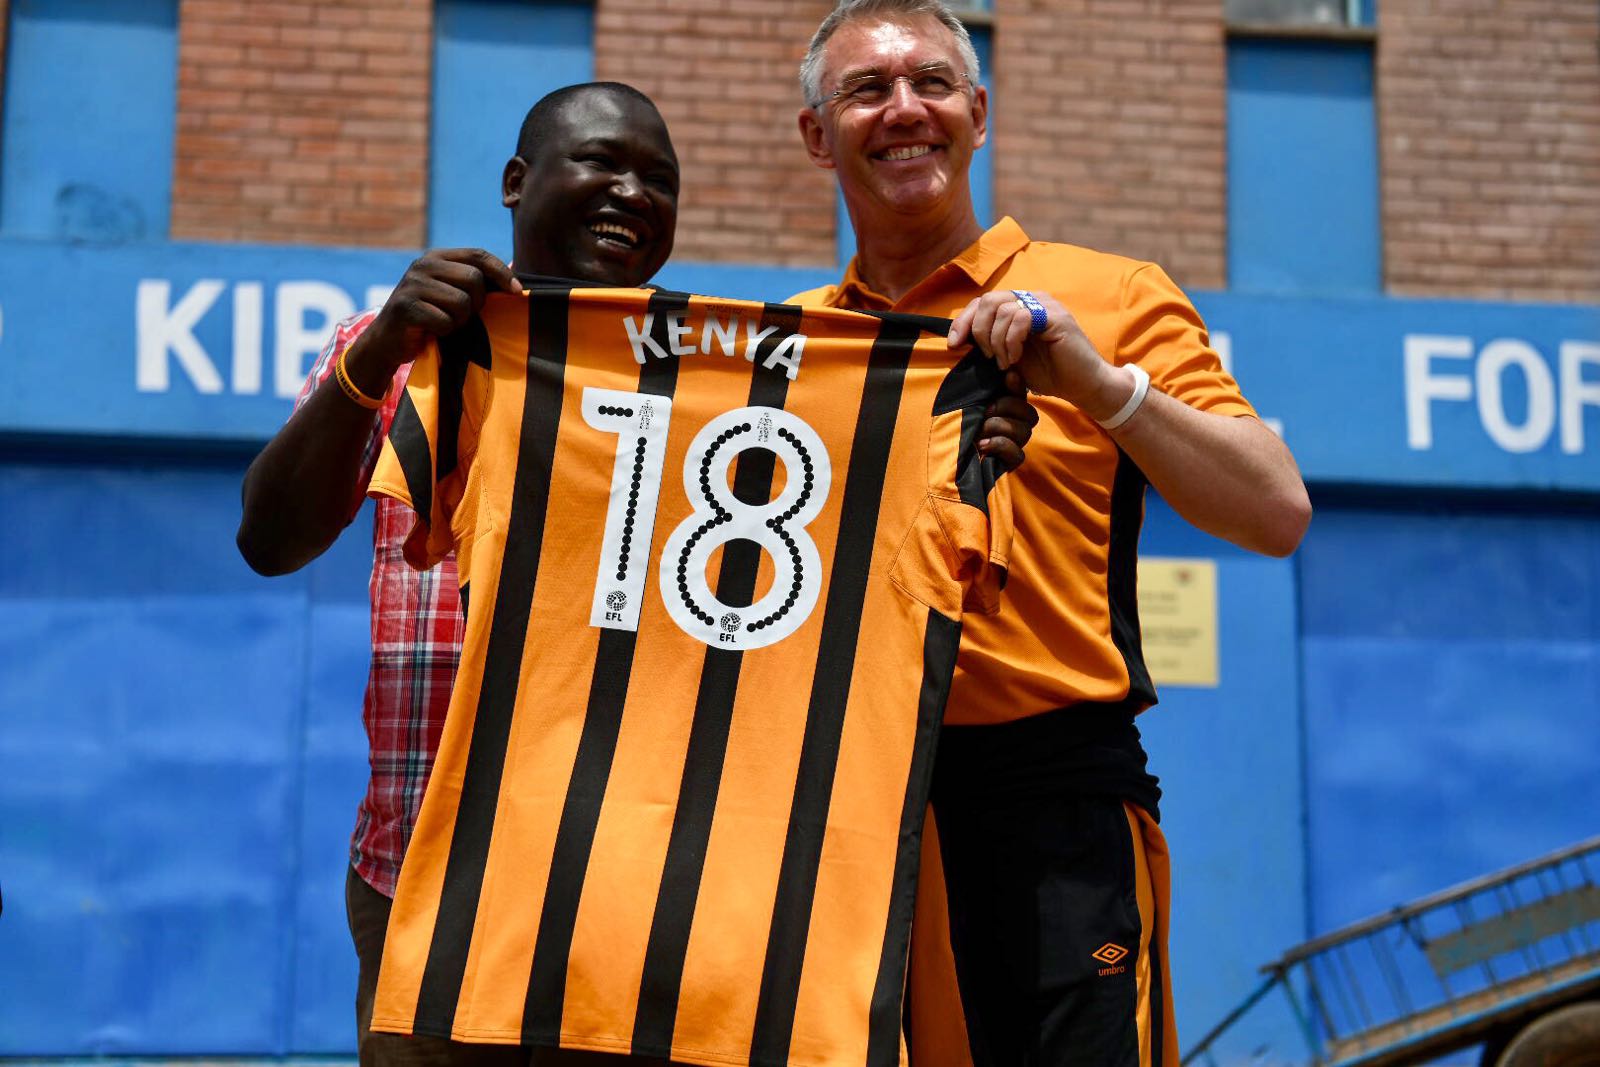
[{"x": 870, "y": 90}]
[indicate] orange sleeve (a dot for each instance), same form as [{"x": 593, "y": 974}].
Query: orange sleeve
[{"x": 1163, "y": 333}]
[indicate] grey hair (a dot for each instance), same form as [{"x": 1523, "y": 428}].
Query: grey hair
[{"x": 889, "y": 10}]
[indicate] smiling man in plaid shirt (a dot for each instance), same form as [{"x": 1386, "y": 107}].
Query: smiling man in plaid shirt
[{"x": 593, "y": 193}]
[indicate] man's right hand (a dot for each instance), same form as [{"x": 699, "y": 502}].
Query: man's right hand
[{"x": 438, "y": 293}]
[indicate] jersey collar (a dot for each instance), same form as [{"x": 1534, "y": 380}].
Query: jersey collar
[{"x": 979, "y": 261}]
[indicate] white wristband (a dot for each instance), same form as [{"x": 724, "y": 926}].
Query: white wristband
[{"x": 1141, "y": 387}]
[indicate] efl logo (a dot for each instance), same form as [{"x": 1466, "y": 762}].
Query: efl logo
[{"x": 1109, "y": 953}]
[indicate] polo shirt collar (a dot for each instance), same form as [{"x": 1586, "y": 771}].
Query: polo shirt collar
[{"x": 978, "y": 261}]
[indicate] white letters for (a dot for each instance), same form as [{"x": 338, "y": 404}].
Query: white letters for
[
  {"x": 1541, "y": 419},
  {"x": 1576, "y": 392},
  {"x": 1422, "y": 387}
]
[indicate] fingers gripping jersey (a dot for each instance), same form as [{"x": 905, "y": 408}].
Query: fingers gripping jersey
[{"x": 715, "y": 556}]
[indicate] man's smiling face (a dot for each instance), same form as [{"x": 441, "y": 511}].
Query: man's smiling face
[
  {"x": 908, "y": 154},
  {"x": 599, "y": 199}
]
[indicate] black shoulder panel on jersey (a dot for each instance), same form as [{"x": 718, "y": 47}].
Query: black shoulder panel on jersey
[
  {"x": 929, "y": 324},
  {"x": 469, "y": 344},
  {"x": 975, "y": 380},
  {"x": 410, "y": 441}
]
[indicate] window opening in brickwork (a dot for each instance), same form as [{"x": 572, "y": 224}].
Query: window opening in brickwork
[
  {"x": 492, "y": 60},
  {"x": 90, "y": 113},
  {"x": 1300, "y": 13},
  {"x": 1302, "y": 180}
]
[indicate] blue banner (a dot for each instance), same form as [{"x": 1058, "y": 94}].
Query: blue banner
[{"x": 210, "y": 342}]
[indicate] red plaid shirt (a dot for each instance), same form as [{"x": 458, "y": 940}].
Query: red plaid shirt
[{"x": 416, "y": 645}]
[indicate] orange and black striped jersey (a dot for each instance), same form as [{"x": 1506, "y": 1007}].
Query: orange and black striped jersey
[{"x": 715, "y": 555}]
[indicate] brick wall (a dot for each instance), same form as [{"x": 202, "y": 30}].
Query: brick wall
[
  {"x": 1110, "y": 128},
  {"x": 728, "y": 89},
  {"x": 303, "y": 122},
  {"x": 1489, "y": 112}
]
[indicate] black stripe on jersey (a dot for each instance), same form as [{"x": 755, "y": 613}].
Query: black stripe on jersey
[
  {"x": 786, "y": 319},
  {"x": 752, "y": 479},
  {"x": 660, "y": 376},
  {"x": 410, "y": 441},
  {"x": 458, "y": 349},
  {"x": 469, "y": 846},
  {"x": 1127, "y": 515},
  {"x": 970, "y": 387},
  {"x": 939, "y": 644},
  {"x": 928, "y": 324},
  {"x": 591, "y": 771},
  {"x": 976, "y": 380},
  {"x": 708, "y": 741},
  {"x": 830, "y": 692}
]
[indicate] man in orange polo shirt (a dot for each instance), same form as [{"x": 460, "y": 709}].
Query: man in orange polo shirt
[{"x": 1045, "y": 884}]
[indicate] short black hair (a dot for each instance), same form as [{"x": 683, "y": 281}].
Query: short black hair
[{"x": 542, "y": 115}]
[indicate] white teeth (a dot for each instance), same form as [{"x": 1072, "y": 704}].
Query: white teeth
[
  {"x": 911, "y": 151},
  {"x": 611, "y": 229}
]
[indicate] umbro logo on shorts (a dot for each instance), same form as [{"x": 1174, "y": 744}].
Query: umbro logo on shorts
[{"x": 1111, "y": 955}]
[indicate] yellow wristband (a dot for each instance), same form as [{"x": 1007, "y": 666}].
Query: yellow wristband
[{"x": 350, "y": 389}]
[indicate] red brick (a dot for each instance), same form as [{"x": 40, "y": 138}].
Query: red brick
[
  {"x": 266, "y": 118},
  {"x": 1122, "y": 145},
  {"x": 1481, "y": 156}
]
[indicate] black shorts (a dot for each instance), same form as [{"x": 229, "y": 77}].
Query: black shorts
[{"x": 1040, "y": 937}]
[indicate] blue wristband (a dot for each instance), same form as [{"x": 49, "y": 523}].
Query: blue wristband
[{"x": 1036, "y": 310}]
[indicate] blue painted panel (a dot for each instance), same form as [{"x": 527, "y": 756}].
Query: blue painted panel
[
  {"x": 90, "y": 107},
  {"x": 1228, "y": 760},
  {"x": 152, "y": 709},
  {"x": 493, "y": 59},
  {"x": 184, "y": 757},
  {"x": 981, "y": 173},
  {"x": 1302, "y": 168},
  {"x": 332, "y": 780},
  {"x": 1452, "y": 664}
]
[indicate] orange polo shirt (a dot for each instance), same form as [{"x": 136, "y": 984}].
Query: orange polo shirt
[{"x": 1068, "y": 627}]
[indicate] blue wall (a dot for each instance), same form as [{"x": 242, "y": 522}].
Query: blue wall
[
  {"x": 183, "y": 757},
  {"x": 105, "y": 73},
  {"x": 1452, "y": 669}
]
